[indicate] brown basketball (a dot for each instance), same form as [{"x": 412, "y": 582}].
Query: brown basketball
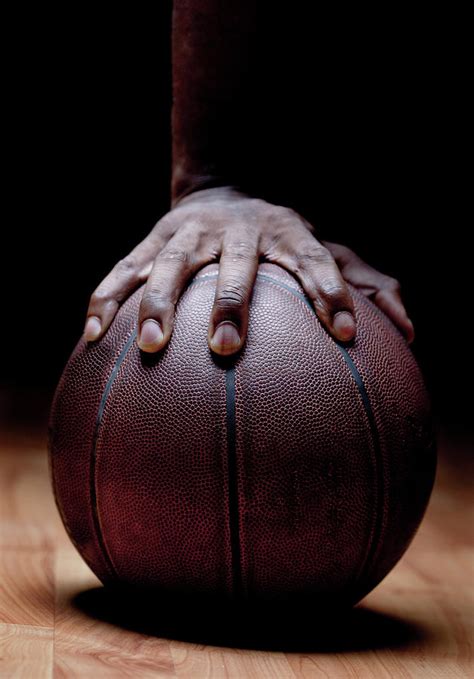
[{"x": 299, "y": 467}]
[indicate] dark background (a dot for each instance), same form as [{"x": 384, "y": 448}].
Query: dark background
[{"x": 87, "y": 103}]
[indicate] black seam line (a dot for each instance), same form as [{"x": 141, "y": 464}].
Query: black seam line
[
  {"x": 93, "y": 461},
  {"x": 377, "y": 529},
  {"x": 379, "y": 476},
  {"x": 232, "y": 472},
  {"x": 237, "y": 585}
]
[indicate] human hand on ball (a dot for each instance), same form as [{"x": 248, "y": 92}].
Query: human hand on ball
[{"x": 223, "y": 224}]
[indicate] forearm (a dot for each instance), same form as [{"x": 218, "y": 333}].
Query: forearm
[{"x": 212, "y": 51}]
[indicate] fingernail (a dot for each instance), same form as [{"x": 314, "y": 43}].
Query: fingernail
[
  {"x": 344, "y": 325},
  {"x": 92, "y": 329},
  {"x": 151, "y": 335},
  {"x": 226, "y": 337}
]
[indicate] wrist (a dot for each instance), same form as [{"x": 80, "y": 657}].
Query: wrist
[
  {"x": 224, "y": 192},
  {"x": 184, "y": 184}
]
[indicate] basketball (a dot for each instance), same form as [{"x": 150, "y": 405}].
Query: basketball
[{"x": 301, "y": 466}]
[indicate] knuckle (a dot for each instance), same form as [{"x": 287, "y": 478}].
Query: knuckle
[
  {"x": 174, "y": 254},
  {"x": 346, "y": 252},
  {"x": 391, "y": 284},
  {"x": 280, "y": 213},
  {"x": 100, "y": 296},
  {"x": 192, "y": 222},
  {"x": 126, "y": 266},
  {"x": 315, "y": 255},
  {"x": 286, "y": 217},
  {"x": 154, "y": 301},
  {"x": 230, "y": 296},
  {"x": 242, "y": 250},
  {"x": 334, "y": 293},
  {"x": 341, "y": 252}
]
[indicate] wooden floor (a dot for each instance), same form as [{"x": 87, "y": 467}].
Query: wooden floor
[{"x": 56, "y": 620}]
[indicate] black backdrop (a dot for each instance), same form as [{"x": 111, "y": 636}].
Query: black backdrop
[{"x": 87, "y": 174}]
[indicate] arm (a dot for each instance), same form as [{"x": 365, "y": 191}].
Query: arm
[
  {"x": 212, "y": 52},
  {"x": 212, "y": 217}
]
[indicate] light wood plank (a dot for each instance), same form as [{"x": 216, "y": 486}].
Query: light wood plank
[
  {"x": 26, "y": 587},
  {"x": 211, "y": 662},
  {"x": 29, "y": 519},
  {"x": 88, "y": 647},
  {"x": 26, "y": 652}
]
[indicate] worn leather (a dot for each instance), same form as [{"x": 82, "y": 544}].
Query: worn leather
[{"x": 313, "y": 481}]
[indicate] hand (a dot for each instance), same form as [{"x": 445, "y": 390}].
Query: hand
[{"x": 238, "y": 230}]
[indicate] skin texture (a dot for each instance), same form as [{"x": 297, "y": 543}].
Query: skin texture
[
  {"x": 223, "y": 224},
  {"x": 214, "y": 216}
]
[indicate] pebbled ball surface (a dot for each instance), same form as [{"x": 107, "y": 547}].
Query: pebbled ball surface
[{"x": 298, "y": 467}]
